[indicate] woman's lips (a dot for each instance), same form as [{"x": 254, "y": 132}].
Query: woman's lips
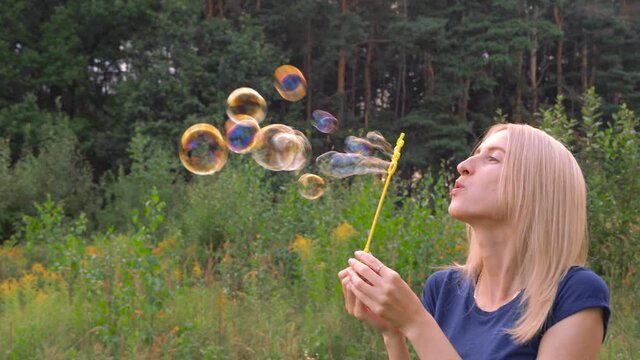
[{"x": 457, "y": 187}]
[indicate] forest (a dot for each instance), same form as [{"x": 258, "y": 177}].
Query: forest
[{"x": 110, "y": 248}]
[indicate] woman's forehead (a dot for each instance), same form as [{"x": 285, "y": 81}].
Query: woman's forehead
[{"x": 497, "y": 140}]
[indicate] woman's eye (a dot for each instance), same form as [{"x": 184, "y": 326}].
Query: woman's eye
[{"x": 491, "y": 158}]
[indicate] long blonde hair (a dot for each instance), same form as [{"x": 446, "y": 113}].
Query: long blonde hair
[{"x": 543, "y": 194}]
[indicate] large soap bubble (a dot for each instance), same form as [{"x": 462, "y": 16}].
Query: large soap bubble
[
  {"x": 245, "y": 101},
  {"x": 281, "y": 148},
  {"x": 203, "y": 151},
  {"x": 290, "y": 83}
]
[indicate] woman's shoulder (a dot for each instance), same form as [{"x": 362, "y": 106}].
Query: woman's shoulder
[
  {"x": 443, "y": 277},
  {"x": 584, "y": 281},
  {"x": 580, "y": 288}
]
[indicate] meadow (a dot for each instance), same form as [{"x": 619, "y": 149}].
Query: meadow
[{"x": 238, "y": 265}]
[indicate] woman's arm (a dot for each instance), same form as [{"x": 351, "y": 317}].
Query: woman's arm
[
  {"x": 578, "y": 336},
  {"x": 383, "y": 291},
  {"x": 394, "y": 340}
]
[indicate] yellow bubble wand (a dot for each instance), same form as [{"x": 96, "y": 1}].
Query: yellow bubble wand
[{"x": 390, "y": 171}]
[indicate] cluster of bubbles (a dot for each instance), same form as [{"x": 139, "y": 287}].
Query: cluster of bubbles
[{"x": 277, "y": 147}]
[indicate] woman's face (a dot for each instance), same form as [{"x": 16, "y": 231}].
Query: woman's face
[{"x": 474, "y": 198}]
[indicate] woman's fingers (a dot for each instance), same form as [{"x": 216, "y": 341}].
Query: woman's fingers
[
  {"x": 366, "y": 273},
  {"x": 371, "y": 261}
]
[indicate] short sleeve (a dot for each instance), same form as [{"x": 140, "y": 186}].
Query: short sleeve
[
  {"x": 431, "y": 289},
  {"x": 580, "y": 289}
]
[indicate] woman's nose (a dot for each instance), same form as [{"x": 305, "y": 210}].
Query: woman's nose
[{"x": 464, "y": 167}]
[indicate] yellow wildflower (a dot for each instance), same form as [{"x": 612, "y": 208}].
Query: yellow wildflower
[
  {"x": 40, "y": 297},
  {"x": 163, "y": 245},
  {"x": 302, "y": 246},
  {"x": 344, "y": 231},
  {"x": 174, "y": 330},
  {"x": 91, "y": 250},
  {"x": 196, "y": 271},
  {"x": 177, "y": 274},
  {"x": 8, "y": 286},
  {"x": 27, "y": 279},
  {"x": 38, "y": 268}
]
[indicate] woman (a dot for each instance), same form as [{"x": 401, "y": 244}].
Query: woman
[{"x": 523, "y": 292}]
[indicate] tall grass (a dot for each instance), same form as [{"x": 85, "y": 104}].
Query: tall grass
[{"x": 240, "y": 266}]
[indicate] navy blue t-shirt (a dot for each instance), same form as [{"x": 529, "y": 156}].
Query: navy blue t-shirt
[{"x": 478, "y": 334}]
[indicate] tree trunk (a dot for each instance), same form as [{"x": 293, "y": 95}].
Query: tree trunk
[
  {"x": 212, "y": 8},
  {"x": 463, "y": 101},
  {"x": 558, "y": 21},
  {"x": 353, "y": 87},
  {"x": 342, "y": 63},
  {"x": 403, "y": 96},
  {"x": 584, "y": 68},
  {"x": 533, "y": 69},
  {"x": 258, "y": 5},
  {"x": 518, "y": 101},
  {"x": 367, "y": 81},
  {"x": 594, "y": 64},
  {"x": 428, "y": 74},
  {"x": 307, "y": 66},
  {"x": 401, "y": 88}
]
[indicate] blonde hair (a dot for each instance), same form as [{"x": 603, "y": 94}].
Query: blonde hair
[{"x": 543, "y": 194}]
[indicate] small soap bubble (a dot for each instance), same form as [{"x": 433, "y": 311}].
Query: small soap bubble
[
  {"x": 281, "y": 148},
  {"x": 241, "y": 133},
  {"x": 342, "y": 165},
  {"x": 379, "y": 142},
  {"x": 311, "y": 186},
  {"x": 246, "y": 101},
  {"x": 356, "y": 145},
  {"x": 290, "y": 83},
  {"x": 324, "y": 121},
  {"x": 203, "y": 151}
]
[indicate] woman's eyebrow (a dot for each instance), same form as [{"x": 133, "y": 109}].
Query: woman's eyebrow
[{"x": 490, "y": 148}]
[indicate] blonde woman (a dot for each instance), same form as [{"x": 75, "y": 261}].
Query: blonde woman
[{"x": 523, "y": 292}]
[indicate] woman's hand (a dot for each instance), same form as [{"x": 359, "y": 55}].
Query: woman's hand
[
  {"x": 381, "y": 291},
  {"x": 356, "y": 308}
]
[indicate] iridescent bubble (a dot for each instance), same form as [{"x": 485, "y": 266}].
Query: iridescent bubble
[
  {"x": 241, "y": 134},
  {"x": 311, "y": 186},
  {"x": 379, "y": 142},
  {"x": 356, "y": 145},
  {"x": 342, "y": 165},
  {"x": 281, "y": 148},
  {"x": 324, "y": 121},
  {"x": 203, "y": 151},
  {"x": 246, "y": 101},
  {"x": 290, "y": 83}
]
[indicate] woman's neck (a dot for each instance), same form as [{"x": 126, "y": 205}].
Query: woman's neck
[{"x": 498, "y": 281}]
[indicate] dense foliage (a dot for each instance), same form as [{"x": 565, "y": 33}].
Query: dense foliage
[{"x": 106, "y": 240}]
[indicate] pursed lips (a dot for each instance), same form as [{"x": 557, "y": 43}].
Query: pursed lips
[{"x": 456, "y": 187}]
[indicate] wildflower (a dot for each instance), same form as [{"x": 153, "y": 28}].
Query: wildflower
[
  {"x": 8, "y": 286},
  {"x": 177, "y": 274},
  {"x": 163, "y": 245},
  {"x": 196, "y": 271},
  {"x": 174, "y": 330},
  {"x": 344, "y": 231},
  {"x": 91, "y": 251},
  {"x": 41, "y": 296},
  {"x": 137, "y": 314},
  {"x": 302, "y": 246},
  {"x": 27, "y": 279},
  {"x": 38, "y": 268}
]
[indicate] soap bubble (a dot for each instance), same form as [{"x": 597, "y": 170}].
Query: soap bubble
[
  {"x": 281, "y": 148},
  {"x": 311, "y": 186},
  {"x": 342, "y": 165},
  {"x": 290, "y": 83},
  {"x": 324, "y": 121},
  {"x": 203, "y": 151},
  {"x": 241, "y": 134},
  {"x": 245, "y": 101}
]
